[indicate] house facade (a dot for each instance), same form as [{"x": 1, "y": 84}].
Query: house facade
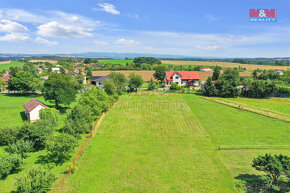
[
  {"x": 182, "y": 78},
  {"x": 99, "y": 80},
  {"x": 32, "y": 109}
]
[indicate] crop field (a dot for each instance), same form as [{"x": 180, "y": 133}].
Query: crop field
[
  {"x": 50, "y": 61},
  {"x": 168, "y": 143},
  {"x": 225, "y": 64},
  {"x": 146, "y": 75},
  {"x": 122, "y": 62},
  {"x": 6, "y": 66}
]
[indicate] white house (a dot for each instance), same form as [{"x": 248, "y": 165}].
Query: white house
[
  {"x": 32, "y": 109},
  {"x": 182, "y": 78},
  {"x": 203, "y": 69},
  {"x": 279, "y": 72},
  {"x": 56, "y": 70}
]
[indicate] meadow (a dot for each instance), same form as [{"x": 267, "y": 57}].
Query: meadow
[
  {"x": 122, "y": 62},
  {"x": 225, "y": 64},
  {"x": 6, "y": 66},
  {"x": 169, "y": 143}
]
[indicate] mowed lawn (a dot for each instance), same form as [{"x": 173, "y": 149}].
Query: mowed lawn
[
  {"x": 11, "y": 64},
  {"x": 279, "y": 105},
  {"x": 168, "y": 143}
]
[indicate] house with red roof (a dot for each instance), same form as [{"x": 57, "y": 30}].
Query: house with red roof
[
  {"x": 203, "y": 69},
  {"x": 182, "y": 78},
  {"x": 279, "y": 72},
  {"x": 32, "y": 109}
]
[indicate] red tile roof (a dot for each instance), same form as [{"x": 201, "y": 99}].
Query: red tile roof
[
  {"x": 185, "y": 75},
  {"x": 32, "y": 104},
  {"x": 5, "y": 78},
  {"x": 80, "y": 68}
]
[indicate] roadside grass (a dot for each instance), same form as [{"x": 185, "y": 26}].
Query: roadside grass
[
  {"x": 168, "y": 143},
  {"x": 11, "y": 64},
  {"x": 122, "y": 62}
]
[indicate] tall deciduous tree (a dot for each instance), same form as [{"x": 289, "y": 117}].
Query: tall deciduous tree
[
  {"x": 209, "y": 88},
  {"x": 160, "y": 72},
  {"x": 60, "y": 89},
  {"x": 216, "y": 72},
  {"x": 24, "y": 82},
  {"x": 119, "y": 80},
  {"x": 135, "y": 81}
]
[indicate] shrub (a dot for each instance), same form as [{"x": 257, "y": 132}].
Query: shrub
[
  {"x": 174, "y": 86},
  {"x": 21, "y": 147},
  {"x": 60, "y": 147},
  {"x": 9, "y": 163},
  {"x": 50, "y": 115},
  {"x": 152, "y": 85},
  {"x": 36, "y": 180},
  {"x": 8, "y": 135}
]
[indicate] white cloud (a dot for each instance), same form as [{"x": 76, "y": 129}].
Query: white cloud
[
  {"x": 22, "y": 16},
  {"x": 101, "y": 43},
  {"x": 56, "y": 29},
  {"x": 11, "y": 27},
  {"x": 45, "y": 41},
  {"x": 126, "y": 42},
  {"x": 212, "y": 47},
  {"x": 15, "y": 37},
  {"x": 107, "y": 7},
  {"x": 135, "y": 16},
  {"x": 211, "y": 17}
]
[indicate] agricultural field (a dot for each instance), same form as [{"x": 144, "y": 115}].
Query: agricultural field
[
  {"x": 249, "y": 67},
  {"x": 169, "y": 143},
  {"x": 50, "y": 61},
  {"x": 6, "y": 65},
  {"x": 122, "y": 62}
]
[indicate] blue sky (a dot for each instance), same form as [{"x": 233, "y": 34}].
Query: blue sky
[{"x": 218, "y": 28}]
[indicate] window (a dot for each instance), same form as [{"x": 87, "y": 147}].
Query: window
[{"x": 176, "y": 77}]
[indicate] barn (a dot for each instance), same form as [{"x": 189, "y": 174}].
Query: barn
[{"x": 32, "y": 109}]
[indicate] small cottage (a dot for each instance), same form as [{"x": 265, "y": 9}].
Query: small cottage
[{"x": 32, "y": 109}]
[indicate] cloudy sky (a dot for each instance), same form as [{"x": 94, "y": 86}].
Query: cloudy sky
[{"x": 219, "y": 28}]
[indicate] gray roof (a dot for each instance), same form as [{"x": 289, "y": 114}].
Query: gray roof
[{"x": 100, "y": 78}]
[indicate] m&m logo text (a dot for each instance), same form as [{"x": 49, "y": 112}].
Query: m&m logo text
[{"x": 263, "y": 15}]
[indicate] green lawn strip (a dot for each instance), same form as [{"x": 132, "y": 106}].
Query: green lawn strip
[
  {"x": 143, "y": 145},
  {"x": 122, "y": 62},
  {"x": 254, "y": 109},
  {"x": 11, "y": 64},
  {"x": 230, "y": 126}
]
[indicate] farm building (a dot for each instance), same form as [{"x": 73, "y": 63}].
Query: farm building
[
  {"x": 203, "y": 69},
  {"x": 182, "y": 78},
  {"x": 99, "y": 80},
  {"x": 279, "y": 72},
  {"x": 32, "y": 109}
]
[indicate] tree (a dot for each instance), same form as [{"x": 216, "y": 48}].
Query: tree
[
  {"x": 78, "y": 121},
  {"x": 24, "y": 82},
  {"x": 135, "y": 81},
  {"x": 160, "y": 72},
  {"x": 216, "y": 72},
  {"x": 174, "y": 86},
  {"x": 36, "y": 180},
  {"x": 90, "y": 60},
  {"x": 228, "y": 82},
  {"x": 119, "y": 80},
  {"x": 21, "y": 147},
  {"x": 95, "y": 100},
  {"x": 9, "y": 163},
  {"x": 60, "y": 147},
  {"x": 110, "y": 88},
  {"x": 151, "y": 85},
  {"x": 262, "y": 88},
  {"x": 60, "y": 89},
  {"x": 29, "y": 67},
  {"x": 89, "y": 74},
  {"x": 210, "y": 89},
  {"x": 50, "y": 115},
  {"x": 146, "y": 60},
  {"x": 274, "y": 166}
]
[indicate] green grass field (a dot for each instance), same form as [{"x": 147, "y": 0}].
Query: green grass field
[
  {"x": 168, "y": 143},
  {"x": 12, "y": 114},
  {"x": 280, "y": 105},
  {"x": 12, "y": 64},
  {"x": 122, "y": 62}
]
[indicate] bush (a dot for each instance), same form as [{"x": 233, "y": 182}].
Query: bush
[
  {"x": 9, "y": 135},
  {"x": 9, "y": 163},
  {"x": 21, "y": 147},
  {"x": 78, "y": 121},
  {"x": 174, "y": 86},
  {"x": 36, "y": 180},
  {"x": 152, "y": 85},
  {"x": 60, "y": 147},
  {"x": 50, "y": 115}
]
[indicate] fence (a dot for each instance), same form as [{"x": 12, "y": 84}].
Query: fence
[{"x": 237, "y": 147}]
